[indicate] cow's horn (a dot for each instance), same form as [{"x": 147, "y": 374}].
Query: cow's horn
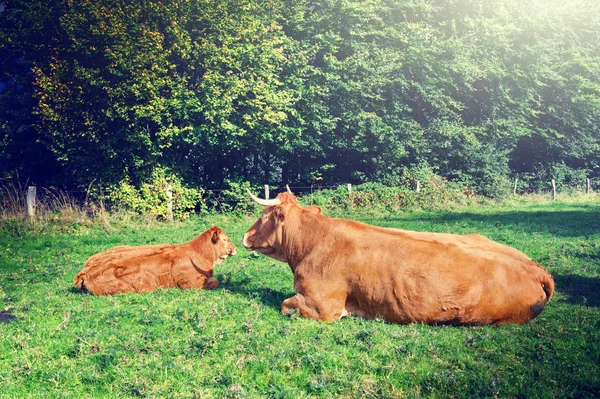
[
  {"x": 288, "y": 189},
  {"x": 264, "y": 202}
]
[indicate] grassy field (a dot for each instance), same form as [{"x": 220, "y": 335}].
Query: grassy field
[{"x": 233, "y": 342}]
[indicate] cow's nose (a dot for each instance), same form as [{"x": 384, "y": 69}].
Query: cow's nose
[{"x": 245, "y": 242}]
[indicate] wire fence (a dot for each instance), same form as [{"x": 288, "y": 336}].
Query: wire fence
[{"x": 20, "y": 197}]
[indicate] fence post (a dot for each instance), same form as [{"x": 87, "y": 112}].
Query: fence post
[
  {"x": 587, "y": 186},
  {"x": 266, "y": 191},
  {"x": 170, "y": 203},
  {"x": 349, "y": 188},
  {"x": 31, "y": 191},
  {"x": 102, "y": 208},
  {"x": 553, "y": 190},
  {"x": 515, "y": 188},
  {"x": 418, "y": 187}
]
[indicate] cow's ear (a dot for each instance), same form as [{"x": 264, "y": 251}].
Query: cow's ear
[
  {"x": 279, "y": 214},
  {"x": 314, "y": 209},
  {"x": 215, "y": 236}
]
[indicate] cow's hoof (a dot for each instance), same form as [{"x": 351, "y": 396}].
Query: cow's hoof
[
  {"x": 211, "y": 284},
  {"x": 290, "y": 312}
]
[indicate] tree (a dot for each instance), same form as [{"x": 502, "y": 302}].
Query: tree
[{"x": 293, "y": 91}]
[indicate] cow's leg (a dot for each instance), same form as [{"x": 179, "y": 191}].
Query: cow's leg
[
  {"x": 194, "y": 283},
  {"x": 314, "y": 304},
  {"x": 298, "y": 302},
  {"x": 106, "y": 286}
]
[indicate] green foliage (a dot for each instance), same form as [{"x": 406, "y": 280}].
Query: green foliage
[
  {"x": 435, "y": 193},
  {"x": 152, "y": 196},
  {"x": 279, "y": 91},
  {"x": 567, "y": 179},
  {"x": 235, "y": 200},
  {"x": 485, "y": 169},
  {"x": 333, "y": 199}
]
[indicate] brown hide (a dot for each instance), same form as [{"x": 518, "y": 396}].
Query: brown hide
[
  {"x": 146, "y": 268},
  {"x": 345, "y": 267}
]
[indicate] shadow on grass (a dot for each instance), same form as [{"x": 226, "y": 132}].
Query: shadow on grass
[
  {"x": 6, "y": 316},
  {"x": 579, "y": 290},
  {"x": 563, "y": 223},
  {"x": 75, "y": 290},
  {"x": 266, "y": 296}
]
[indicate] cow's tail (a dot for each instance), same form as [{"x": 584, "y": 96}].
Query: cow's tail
[
  {"x": 79, "y": 282},
  {"x": 548, "y": 285},
  {"x": 547, "y": 282}
]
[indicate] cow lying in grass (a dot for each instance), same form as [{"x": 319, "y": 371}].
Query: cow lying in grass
[
  {"x": 344, "y": 267},
  {"x": 146, "y": 268}
]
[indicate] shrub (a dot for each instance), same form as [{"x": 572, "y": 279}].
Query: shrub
[
  {"x": 151, "y": 197},
  {"x": 436, "y": 193},
  {"x": 234, "y": 199},
  {"x": 567, "y": 179},
  {"x": 329, "y": 198},
  {"x": 486, "y": 171}
]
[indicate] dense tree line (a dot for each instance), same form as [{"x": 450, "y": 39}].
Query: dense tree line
[{"x": 295, "y": 91}]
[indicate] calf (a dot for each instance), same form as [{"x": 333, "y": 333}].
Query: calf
[{"x": 146, "y": 268}]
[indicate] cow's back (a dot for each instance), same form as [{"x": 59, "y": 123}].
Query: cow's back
[
  {"x": 469, "y": 241},
  {"x": 406, "y": 276},
  {"x": 129, "y": 269}
]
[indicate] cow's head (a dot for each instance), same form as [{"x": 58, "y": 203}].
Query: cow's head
[
  {"x": 266, "y": 234},
  {"x": 222, "y": 244}
]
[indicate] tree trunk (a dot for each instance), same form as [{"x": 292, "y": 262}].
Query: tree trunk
[
  {"x": 255, "y": 165},
  {"x": 267, "y": 166},
  {"x": 285, "y": 173}
]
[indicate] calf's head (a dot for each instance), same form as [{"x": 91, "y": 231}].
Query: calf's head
[{"x": 222, "y": 244}]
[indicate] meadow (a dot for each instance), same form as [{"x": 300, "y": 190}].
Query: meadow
[{"x": 233, "y": 342}]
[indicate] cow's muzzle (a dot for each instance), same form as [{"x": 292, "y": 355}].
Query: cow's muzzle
[{"x": 247, "y": 244}]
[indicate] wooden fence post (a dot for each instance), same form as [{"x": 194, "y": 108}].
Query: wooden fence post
[
  {"x": 31, "y": 191},
  {"x": 553, "y": 190},
  {"x": 266, "y": 191},
  {"x": 349, "y": 188},
  {"x": 515, "y": 187},
  {"x": 418, "y": 187},
  {"x": 170, "y": 203},
  {"x": 587, "y": 186}
]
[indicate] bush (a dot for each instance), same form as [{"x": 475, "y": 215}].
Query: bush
[
  {"x": 436, "y": 193},
  {"x": 486, "y": 171},
  {"x": 234, "y": 199},
  {"x": 567, "y": 179},
  {"x": 329, "y": 198},
  {"x": 151, "y": 197}
]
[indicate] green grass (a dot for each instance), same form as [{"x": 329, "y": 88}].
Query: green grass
[{"x": 233, "y": 341}]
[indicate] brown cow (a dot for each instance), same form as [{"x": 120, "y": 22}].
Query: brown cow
[
  {"x": 345, "y": 267},
  {"x": 145, "y": 268}
]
